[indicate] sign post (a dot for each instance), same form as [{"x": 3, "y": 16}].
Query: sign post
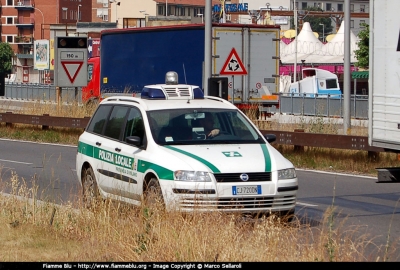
[
  {"x": 70, "y": 62},
  {"x": 233, "y": 66}
]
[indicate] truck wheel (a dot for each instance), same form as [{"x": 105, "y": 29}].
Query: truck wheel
[
  {"x": 90, "y": 190},
  {"x": 153, "y": 194}
]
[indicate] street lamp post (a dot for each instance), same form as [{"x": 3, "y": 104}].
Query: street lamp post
[
  {"x": 41, "y": 28},
  {"x": 323, "y": 31},
  {"x": 295, "y": 39}
]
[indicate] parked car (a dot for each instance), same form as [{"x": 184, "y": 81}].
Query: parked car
[{"x": 160, "y": 144}]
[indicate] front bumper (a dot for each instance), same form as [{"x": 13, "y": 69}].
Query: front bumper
[{"x": 211, "y": 196}]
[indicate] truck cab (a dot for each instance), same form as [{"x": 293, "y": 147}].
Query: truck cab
[{"x": 91, "y": 92}]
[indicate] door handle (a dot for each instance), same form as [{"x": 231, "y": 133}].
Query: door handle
[{"x": 117, "y": 149}]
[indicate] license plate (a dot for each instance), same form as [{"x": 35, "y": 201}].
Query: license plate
[{"x": 246, "y": 190}]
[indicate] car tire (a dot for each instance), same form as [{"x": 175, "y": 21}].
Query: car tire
[
  {"x": 90, "y": 191},
  {"x": 153, "y": 195}
]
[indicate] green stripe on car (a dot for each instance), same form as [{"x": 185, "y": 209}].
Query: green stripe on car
[
  {"x": 202, "y": 160},
  {"x": 267, "y": 158}
]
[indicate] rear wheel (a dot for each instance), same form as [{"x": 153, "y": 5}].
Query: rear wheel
[
  {"x": 90, "y": 190},
  {"x": 153, "y": 194}
]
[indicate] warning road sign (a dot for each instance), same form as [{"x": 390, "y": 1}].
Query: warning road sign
[
  {"x": 233, "y": 65},
  {"x": 70, "y": 62},
  {"x": 72, "y": 69}
]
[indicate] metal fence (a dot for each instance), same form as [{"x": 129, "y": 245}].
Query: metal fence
[
  {"x": 43, "y": 92},
  {"x": 289, "y": 103},
  {"x": 323, "y": 105}
]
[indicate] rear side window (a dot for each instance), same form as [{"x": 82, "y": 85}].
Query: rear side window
[
  {"x": 116, "y": 122},
  {"x": 96, "y": 125}
]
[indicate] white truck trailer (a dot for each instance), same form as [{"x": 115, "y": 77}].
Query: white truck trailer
[{"x": 384, "y": 81}]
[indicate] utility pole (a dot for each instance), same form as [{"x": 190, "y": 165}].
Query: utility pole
[
  {"x": 207, "y": 45},
  {"x": 346, "y": 70}
]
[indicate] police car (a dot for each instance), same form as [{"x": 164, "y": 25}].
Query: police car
[{"x": 159, "y": 144}]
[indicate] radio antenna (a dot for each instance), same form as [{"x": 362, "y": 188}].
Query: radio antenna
[{"x": 184, "y": 72}]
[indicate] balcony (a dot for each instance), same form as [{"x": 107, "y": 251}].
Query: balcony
[
  {"x": 25, "y": 22},
  {"x": 23, "y": 40},
  {"x": 24, "y": 4}
]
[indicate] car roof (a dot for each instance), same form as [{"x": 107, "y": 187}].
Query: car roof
[{"x": 151, "y": 105}]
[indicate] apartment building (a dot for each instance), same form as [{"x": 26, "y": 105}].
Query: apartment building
[{"x": 356, "y": 6}]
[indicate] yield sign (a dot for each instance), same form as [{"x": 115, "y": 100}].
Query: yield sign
[
  {"x": 72, "y": 69},
  {"x": 233, "y": 65}
]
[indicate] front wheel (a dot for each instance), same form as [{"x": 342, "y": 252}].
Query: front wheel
[
  {"x": 90, "y": 190},
  {"x": 153, "y": 194}
]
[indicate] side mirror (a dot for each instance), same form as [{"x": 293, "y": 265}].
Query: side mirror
[
  {"x": 270, "y": 137},
  {"x": 134, "y": 140}
]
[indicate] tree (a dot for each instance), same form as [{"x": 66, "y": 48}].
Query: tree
[
  {"x": 362, "y": 54},
  {"x": 6, "y": 54}
]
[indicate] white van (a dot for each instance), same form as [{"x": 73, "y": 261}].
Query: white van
[{"x": 160, "y": 143}]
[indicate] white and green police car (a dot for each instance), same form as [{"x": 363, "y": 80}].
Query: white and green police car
[{"x": 155, "y": 143}]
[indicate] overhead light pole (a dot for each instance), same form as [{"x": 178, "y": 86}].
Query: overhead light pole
[
  {"x": 41, "y": 28},
  {"x": 295, "y": 40}
]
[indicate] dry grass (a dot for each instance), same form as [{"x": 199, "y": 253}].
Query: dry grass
[
  {"x": 112, "y": 232},
  {"x": 35, "y": 231}
]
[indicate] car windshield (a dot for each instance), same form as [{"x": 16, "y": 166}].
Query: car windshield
[{"x": 200, "y": 126}]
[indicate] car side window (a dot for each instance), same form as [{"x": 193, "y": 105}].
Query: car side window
[
  {"x": 134, "y": 125},
  {"x": 116, "y": 122},
  {"x": 98, "y": 121}
]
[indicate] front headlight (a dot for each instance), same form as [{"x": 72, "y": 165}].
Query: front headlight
[
  {"x": 192, "y": 176},
  {"x": 287, "y": 174}
]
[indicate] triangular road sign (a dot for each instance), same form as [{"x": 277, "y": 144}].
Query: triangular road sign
[
  {"x": 233, "y": 65},
  {"x": 72, "y": 69}
]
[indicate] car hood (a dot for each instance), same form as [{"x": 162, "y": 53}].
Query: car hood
[{"x": 228, "y": 158}]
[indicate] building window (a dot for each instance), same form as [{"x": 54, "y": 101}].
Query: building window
[
  {"x": 339, "y": 7},
  {"x": 9, "y": 20},
  {"x": 328, "y": 6},
  {"x": 65, "y": 13},
  {"x": 303, "y": 5},
  {"x": 352, "y": 24},
  {"x": 351, "y": 8},
  {"x": 10, "y": 2},
  {"x": 10, "y": 39},
  {"x": 188, "y": 12},
  {"x": 362, "y": 8},
  {"x": 362, "y": 22},
  {"x": 105, "y": 18},
  {"x": 160, "y": 10}
]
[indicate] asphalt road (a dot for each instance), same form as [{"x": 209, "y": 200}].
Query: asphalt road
[{"x": 367, "y": 207}]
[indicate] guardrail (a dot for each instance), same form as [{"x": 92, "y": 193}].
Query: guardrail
[
  {"x": 298, "y": 139},
  {"x": 289, "y": 103}
]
